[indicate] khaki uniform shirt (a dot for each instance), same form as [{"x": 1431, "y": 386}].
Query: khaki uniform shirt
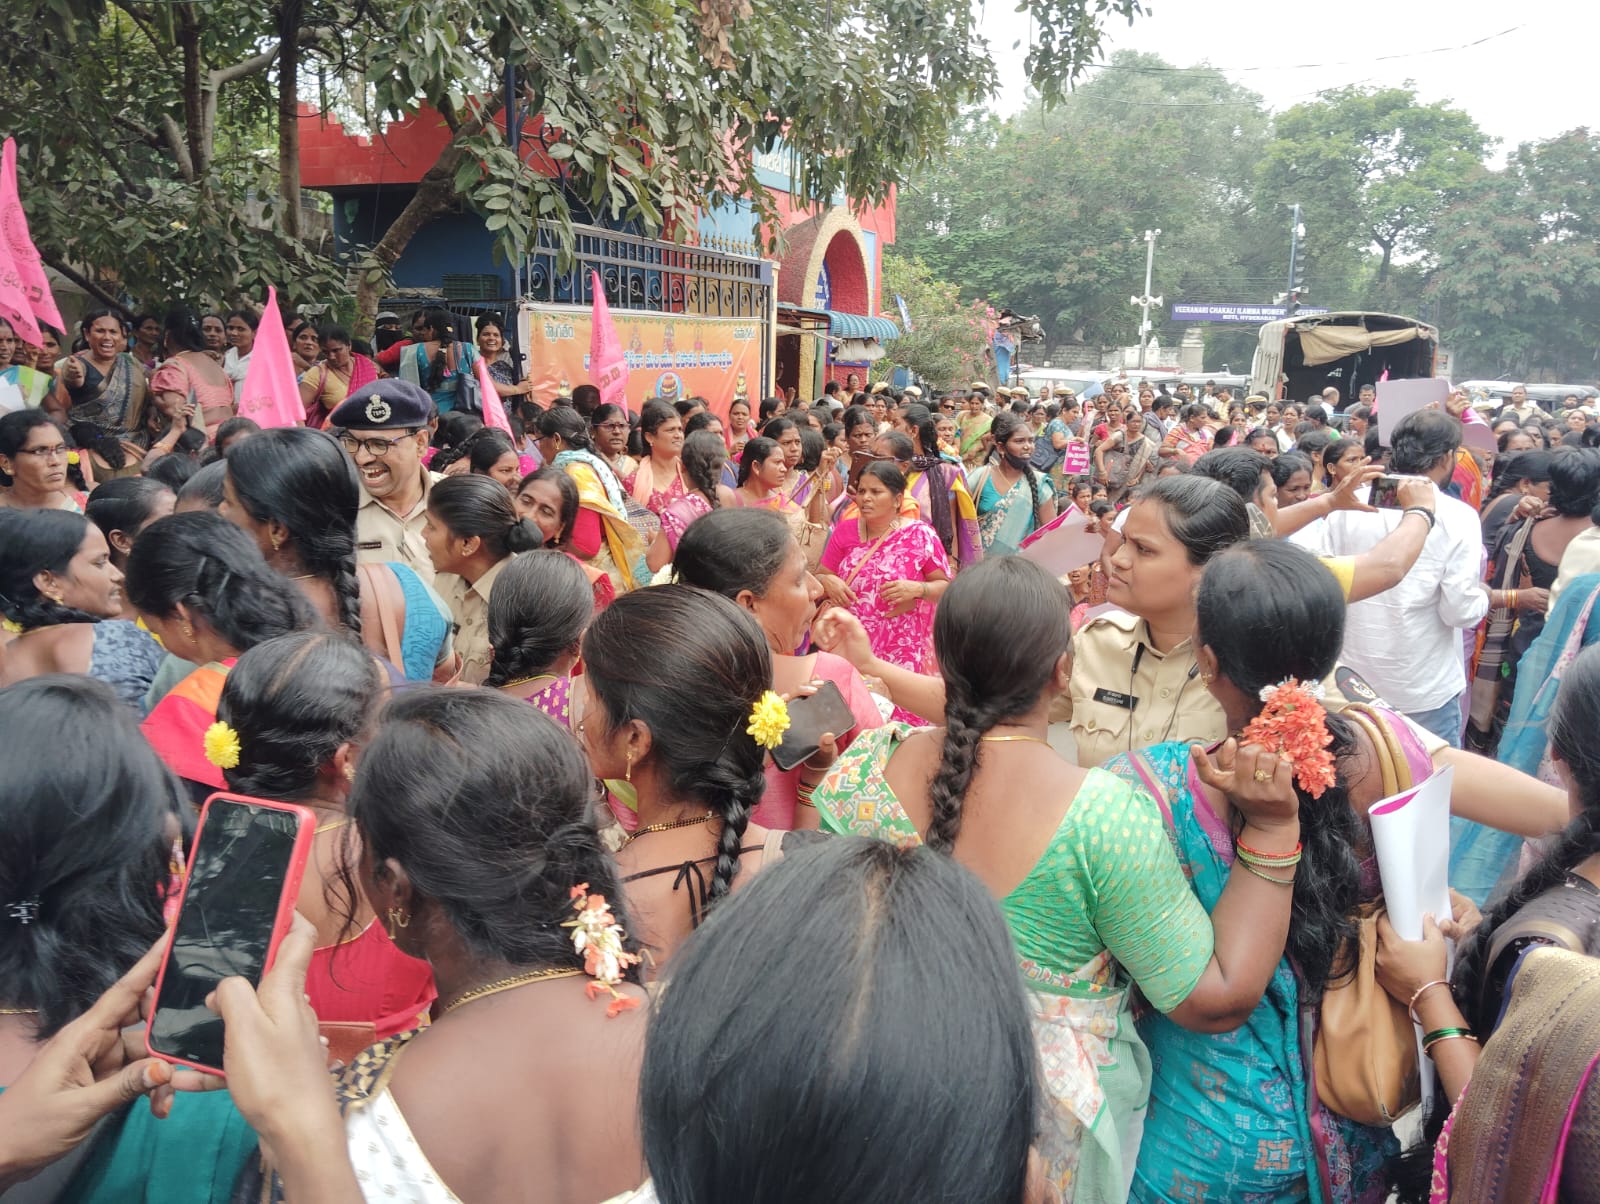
[
  {"x": 469, "y": 606},
  {"x": 382, "y": 535},
  {"x": 1126, "y": 695},
  {"x": 1169, "y": 703}
]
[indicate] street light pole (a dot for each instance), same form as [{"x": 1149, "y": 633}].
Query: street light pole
[{"x": 1145, "y": 302}]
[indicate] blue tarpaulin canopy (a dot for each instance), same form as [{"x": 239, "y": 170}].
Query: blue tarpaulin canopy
[{"x": 855, "y": 326}]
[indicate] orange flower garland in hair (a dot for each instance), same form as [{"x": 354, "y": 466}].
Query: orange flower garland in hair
[
  {"x": 1294, "y": 725},
  {"x": 597, "y": 935}
]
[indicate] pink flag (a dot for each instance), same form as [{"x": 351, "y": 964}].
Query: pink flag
[
  {"x": 608, "y": 370},
  {"x": 14, "y": 307},
  {"x": 271, "y": 394},
  {"x": 494, "y": 410},
  {"x": 24, "y": 255}
]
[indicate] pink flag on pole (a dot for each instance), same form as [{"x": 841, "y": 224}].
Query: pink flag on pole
[
  {"x": 494, "y": 410},
  {"x": 608, "y": 369},
  {"x": 271, "y": 393},
  {"x": 24, "y": 255},
  {"x": 14, "y": 307}
]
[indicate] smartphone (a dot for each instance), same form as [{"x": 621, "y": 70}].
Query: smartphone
[
  {"x": 858, "y": 461},
  {"x": 237, "y": 903},
  {"x": 1385, "y": 493},
  {"x": 809, "y": 718}
]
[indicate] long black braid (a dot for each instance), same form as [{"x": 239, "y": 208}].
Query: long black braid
[
  {"x": 1005, "y": 425},
  {"x": 999, "y": 632}
]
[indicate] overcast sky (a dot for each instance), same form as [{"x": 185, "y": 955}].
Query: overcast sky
[{"x": 1536, "y": 81}]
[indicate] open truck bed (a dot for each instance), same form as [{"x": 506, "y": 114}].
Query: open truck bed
[{"x": 1297, "y": 358}]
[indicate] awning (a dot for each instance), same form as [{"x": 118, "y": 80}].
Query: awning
[
  {"x": 856, "y": 326},
  {"x": 1322, "y": 344}
]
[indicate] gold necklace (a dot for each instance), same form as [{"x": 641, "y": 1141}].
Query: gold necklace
[
  {"x": 522, "y": 681},
  {"x": 507, "y": 984},
  {"x": 19, "y": 1011},
  {"x": 1014, "y": 739},
  {"x": 667, "y": 827}
]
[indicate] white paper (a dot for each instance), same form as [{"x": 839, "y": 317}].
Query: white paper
[
  {"x": 11, "y": 397},
  {"x": 1411, "y": 833},
  {"x": 1397, "y": 398}
]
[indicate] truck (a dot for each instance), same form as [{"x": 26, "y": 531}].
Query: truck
[{"x": 1297, "y": 358}]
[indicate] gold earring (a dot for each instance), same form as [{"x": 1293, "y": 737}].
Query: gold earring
[
  {"x": 628, "y": 776},
  {"x": 349, "y": 771},
  {"x": 188, "y": 632},
  {"x": 1208, "y": 678},
  {"x": 398, "y": 919},
  {"x": 277, "y": 541}
]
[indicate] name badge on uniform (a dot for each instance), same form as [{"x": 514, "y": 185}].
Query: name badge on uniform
[
  {"x": 1114, "y": 698},
  {"x": 369, "y": 545}
]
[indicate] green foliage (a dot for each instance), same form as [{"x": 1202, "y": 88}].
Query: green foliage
[
  {"x": 1518, "y": 277},
  {"x": 1369, "y": 166},
  {"x": 949, "y": 337},
  {"x": 1046, "y": 212},
  {"x": 141, "y": 119}
]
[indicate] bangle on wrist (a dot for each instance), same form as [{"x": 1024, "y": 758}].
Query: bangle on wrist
[
  {"x": 1265, "y": 877},
  {"x": 1422, "y": 510},
  {"x": 1411, "y": 1008},
  {"x": 1429, "y": 1040}
]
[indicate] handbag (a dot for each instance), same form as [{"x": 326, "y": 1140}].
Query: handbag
[
  {"x": 1364, "y": 1056},
  {"x": 469, "y": 396}
]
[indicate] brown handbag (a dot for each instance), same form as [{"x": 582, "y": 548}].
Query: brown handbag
[{"x": 1365, "y": 1053}]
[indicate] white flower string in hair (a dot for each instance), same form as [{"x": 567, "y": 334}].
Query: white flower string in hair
[
  {"x": 1313, "y": 688},
  {"x": 597, "y": 935}
]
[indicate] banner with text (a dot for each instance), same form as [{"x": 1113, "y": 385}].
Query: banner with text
[
  {"x": 1208, "y": 312},
  {"x": 668, "y": 355}
]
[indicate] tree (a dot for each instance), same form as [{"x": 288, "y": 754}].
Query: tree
[
  {"x": 645, "y": 112},
  {"x": 1370, "y": 167},
  {"x": 1046, "y": 212},
  {"x": 142, "y": 129},
  {"x": 1518, "y": 275},
  {"x": 948, "y": 339}
]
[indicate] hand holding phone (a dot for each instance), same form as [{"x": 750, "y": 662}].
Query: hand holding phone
[
  {"x": 238, "y": 899},
  {"x": 1386, "y": 491},
  {"x": 810, "y": 718}
]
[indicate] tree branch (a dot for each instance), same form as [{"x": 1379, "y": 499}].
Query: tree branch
[
  {"x": 178, "y": 147},
  {"x": 143, "y": 132},
  {"x": 250, "y": 66},
  {"x": 82, "y": 281}
]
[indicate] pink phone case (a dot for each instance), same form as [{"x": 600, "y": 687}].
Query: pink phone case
[{"x": 298, "y": 860}]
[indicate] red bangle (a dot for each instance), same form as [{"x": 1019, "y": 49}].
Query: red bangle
[{"x": 1270, "y": 858}]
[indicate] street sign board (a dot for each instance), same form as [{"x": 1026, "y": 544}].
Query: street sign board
[{"x": 1206, "y": 311}]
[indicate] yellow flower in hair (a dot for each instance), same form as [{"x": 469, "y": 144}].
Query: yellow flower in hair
[
  {"x": 769, "y": 719},
  {"x": 73, "y": 457},
  {"x": 222, "y": 745},
  {"x": 11, "y": 625}
]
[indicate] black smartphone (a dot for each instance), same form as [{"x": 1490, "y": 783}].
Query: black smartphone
[
  {"x": 237, "y": 904},
  {"x": 1385, "y": 493},
  {"x": 809, "y": 718}
]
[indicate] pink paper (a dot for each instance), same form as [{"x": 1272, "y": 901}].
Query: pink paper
[
  {"x": 608, "y": 368},
  {"x": 494, "y": 410},
  {"x": 1065, "y": 543},
  {"x": 24, "y": 255},
  {"x": 271, "y": 392},
  {"x": 1075, "y": 458}
]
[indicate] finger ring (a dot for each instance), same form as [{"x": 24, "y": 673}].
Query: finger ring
[{"x": 1263, "y": 776}]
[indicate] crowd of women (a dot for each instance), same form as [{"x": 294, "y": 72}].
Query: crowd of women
[{"x": 569, "y": 932}]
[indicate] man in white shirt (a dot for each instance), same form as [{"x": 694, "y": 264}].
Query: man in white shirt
[{"x": 1407, "y": 641}]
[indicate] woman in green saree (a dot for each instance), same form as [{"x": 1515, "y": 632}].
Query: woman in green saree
[{"x": 1091, "y": 889}]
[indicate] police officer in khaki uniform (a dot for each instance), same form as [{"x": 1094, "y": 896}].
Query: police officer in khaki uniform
[{"x": 385, "y": 428}]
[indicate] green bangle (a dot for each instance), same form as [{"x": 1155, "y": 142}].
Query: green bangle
[
  {"x": 1266, "y": 877},
  {"x": 1440, "y": 1034}
]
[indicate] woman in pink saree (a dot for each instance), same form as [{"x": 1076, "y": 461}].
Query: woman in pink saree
[{"x": 888, "y": 571}]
